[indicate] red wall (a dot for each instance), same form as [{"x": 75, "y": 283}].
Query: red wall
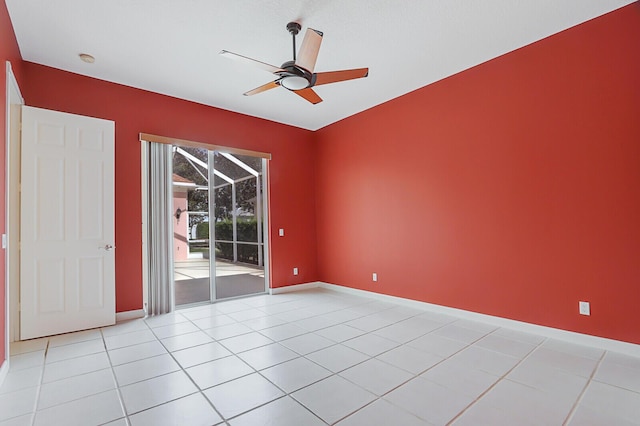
[
  {"x": 510, "y": 189},
  {"x": 135, "y": 111},
  {"x": 8, "y": 52}
]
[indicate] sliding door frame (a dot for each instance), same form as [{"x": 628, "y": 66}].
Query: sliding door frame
[
  {"x": 146, "y": 138},
  {"x": 213, "y": 297}
]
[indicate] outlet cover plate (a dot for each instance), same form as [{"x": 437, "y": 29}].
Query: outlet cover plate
[{"x": 585, "y": 308}]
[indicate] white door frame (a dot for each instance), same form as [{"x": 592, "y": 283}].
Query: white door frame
[{"x": 12, "y": 213}]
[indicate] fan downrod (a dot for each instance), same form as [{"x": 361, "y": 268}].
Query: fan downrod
[
  {"x": 294, "y": 77},
  {"x": 294, "y": 28}
]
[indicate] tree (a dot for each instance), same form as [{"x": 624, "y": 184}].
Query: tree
[{"x": 198, "y": 199}]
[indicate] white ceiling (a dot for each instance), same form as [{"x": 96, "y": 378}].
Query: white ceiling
[{"x": 171, "y": 46}]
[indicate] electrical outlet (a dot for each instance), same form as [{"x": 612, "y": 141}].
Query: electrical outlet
[
  {"x": 295, "y": 271},
  {"x": 584, "y": 308},
  {"x": 281, "y": 232},
  {"x": 374, "y": 277}
]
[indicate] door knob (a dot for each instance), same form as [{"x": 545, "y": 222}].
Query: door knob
[{"x": 107, "y": 247}]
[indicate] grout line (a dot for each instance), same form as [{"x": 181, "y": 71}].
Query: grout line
[
  {"x": 299, "y": 355},
  {"x": 115, "y": 380},
  {"x": 415, "y": 376},
  {"x": 199, "y": 391},
  {"x": 369, "y": 357},
  {"x": 494, "y": 384},
  {"x": 37, "y": 400},
  {"x": 285, "y": 393},
  {"x": 583, "y": 391}
]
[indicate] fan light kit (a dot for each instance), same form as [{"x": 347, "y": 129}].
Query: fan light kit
[
  {"x": 297, "y": 75},
  {"x": 294, "y": 82}
]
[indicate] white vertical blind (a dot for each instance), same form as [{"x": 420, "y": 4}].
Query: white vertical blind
[{"x": 160, "y": 229}]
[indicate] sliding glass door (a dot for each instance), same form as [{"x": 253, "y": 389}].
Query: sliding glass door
[
  {"x": 238, "y": 232},
  {"x": 219, "y": 225},
  {"x": 191, "y": 254}
]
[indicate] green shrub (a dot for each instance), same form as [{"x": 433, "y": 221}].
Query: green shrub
[
  {"x": 246, "y": 253},
  {"x": 247, "y": 231},
  {"x": 202, "y": 231}
]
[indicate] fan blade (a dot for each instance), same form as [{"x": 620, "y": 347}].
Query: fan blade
[
  {"x": 309, "y": 95},
  {"x": 336, "y": 76},
  {"x": 309, "y": 49},
  {"x": 267, "y": 67},
  {"x": 263, "y": 88}
]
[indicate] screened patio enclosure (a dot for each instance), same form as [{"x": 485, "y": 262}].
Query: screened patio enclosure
[{"x": 219, "y": 206}]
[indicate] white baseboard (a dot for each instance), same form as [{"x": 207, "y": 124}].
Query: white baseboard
[
  {"x": 549, "y": 332},
  {"x": 4, "y": 370},
  {"x": 294, "y": 287},
  {"x": 129, "y": 315}
]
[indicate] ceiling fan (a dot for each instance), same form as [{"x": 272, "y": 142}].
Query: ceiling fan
[{"x": 297, "y": 75}]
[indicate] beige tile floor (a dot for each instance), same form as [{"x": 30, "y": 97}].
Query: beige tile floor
[{"x": 314, "y": 358}]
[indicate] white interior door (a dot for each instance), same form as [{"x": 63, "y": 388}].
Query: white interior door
[{"x": 67, "y": 234}]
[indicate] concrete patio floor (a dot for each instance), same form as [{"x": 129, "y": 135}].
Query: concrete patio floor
[{"x": 192, "y": 284}]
